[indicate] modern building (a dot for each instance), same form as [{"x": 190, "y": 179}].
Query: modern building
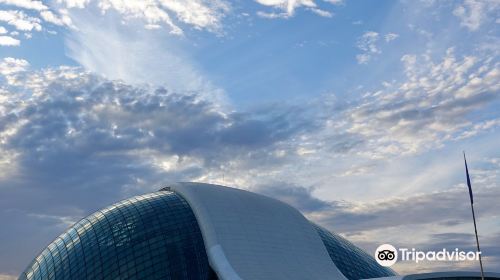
[{"x": 201, "y": 231}]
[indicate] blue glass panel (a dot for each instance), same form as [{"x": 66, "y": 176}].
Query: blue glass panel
[
  {"x": 153, "y": 236},
  {"x": 353, "y": 262}
]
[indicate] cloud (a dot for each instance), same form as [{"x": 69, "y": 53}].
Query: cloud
[
  {"x": 473, "y": 14},
  {"x": 363, "y": 58},
  {"x": 62, "y": 20},
  {"x": 451, "y": 240},
  {"x": 200, "y": 14},
  {"x": 154, "y": 14},
  {"x": 88, "y": 121},
  {"x": 129, "y": 53},
  {"x": 369, "y": 44},
  {"x": 11, "y": 65},
  {"x": 322, "y": 13},
  {"x": 287, "y": 8},
  {"x": 26, "y": 4},
  {"x": 446, "y": 207},
  {"x": 390, "y": 37},
  {"x": 9, "y": 41},
  {"x": 20, "y": 20},
  {"x": 86, "y": 141},
  {"x": 430, "y": 107},
  {"x": 271, "y": 15},
  {"x": 357, "y": 170},
  {"x": 298, "y": 196},
  {"x": 449, "y": 205}
]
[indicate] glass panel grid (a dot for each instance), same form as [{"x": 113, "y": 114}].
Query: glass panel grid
[
  {"x": 353, "y": 262},
  {"x": 152, "y": 236}
]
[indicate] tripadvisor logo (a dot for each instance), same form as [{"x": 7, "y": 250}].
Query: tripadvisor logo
[{"x": 387, "y": 255}]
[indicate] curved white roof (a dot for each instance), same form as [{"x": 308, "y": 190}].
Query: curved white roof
[{"x": 250, "y": 236}]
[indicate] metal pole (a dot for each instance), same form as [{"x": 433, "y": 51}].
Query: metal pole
[
  {"x": 469, "y": 184},
  {"x": 477, "y": 241}
]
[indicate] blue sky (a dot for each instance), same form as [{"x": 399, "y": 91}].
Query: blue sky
[{"x": 352, "y": 111}]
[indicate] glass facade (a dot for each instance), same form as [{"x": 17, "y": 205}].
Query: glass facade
[
  {"x": 353, "y": 262},
  {"x": 153, "y": 236}
]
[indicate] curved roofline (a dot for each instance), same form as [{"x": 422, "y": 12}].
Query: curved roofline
[{"x": 252, "y": 236}]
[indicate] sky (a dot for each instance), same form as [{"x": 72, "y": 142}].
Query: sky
[{"x": 355, "y": 112}]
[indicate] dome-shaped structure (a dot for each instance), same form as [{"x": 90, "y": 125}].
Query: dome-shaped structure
[
  {"x": 152, "y": 236},
  {"x": 162, "y": 236}
]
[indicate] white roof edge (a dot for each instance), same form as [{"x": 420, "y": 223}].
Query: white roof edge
[{"x": 252, "y": 237}]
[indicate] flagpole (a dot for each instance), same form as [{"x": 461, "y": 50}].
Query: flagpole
[
  {"x": 477, "y": 242},
  {"x": 474, "y": 217}
]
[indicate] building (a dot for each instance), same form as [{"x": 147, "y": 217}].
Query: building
[{"x": 201, "y": 231}]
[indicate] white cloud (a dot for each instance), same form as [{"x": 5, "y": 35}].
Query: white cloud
[
  {"x": 363, "y": 58},
  {"x": 26, "y": 4},
  {"x": 74, "y": 3},
  {"x": 20, "y": 20},
  {"x": 430, "y": 107},
  {"x": 368, "y": 44},
  {"x": 390, "y": 37},
  {"x": 473, "y": 13},
  {"x": 62, "y": 20},
  {"x": 27, "y": 23},
  {"x": 155, "y": 14},
  {"x": 322, "y": 13},
  {"x": 9, "y": 41},
  {"x": 121, "y": 52},
  {"x": 287, "y": 8},
  {"x": 3, "y": 30},
  {"x": 11, "y": 65},
  {"x": 200, "y": 14},
  {"x": 149, "y": 11},
  {"x": 272, "y": 15}
]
